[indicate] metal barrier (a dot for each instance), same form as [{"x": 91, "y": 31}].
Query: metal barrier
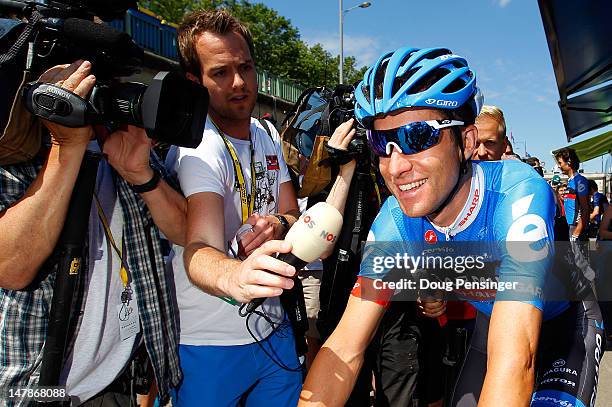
[
  {"x": 153, "y": 35},
  {"x": 275, "y": 86}
]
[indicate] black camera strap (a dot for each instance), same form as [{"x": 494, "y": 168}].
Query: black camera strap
[
  {"x": 338, "y": 156},
  {"x": 27, "y": 32}
]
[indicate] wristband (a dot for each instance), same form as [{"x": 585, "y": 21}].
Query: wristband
[
  {"x": 149, "y": 185},
  {"x": 283, "y": 221},
  {"x": 337, "y": 157}
]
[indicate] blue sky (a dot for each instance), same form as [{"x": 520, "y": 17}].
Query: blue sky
[{"x": 503, "y": 40}]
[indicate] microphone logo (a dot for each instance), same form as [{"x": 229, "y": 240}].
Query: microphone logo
[
  {"x": 328, "y": 236},
  {"x": 309, "y": 222}
]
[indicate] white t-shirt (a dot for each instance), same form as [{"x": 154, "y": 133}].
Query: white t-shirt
[
  {"x": 205, "y": 319},
  {"x": 99, "y": 354}
]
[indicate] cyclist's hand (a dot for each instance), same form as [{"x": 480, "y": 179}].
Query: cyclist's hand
[{"x": 432, "y": 308}]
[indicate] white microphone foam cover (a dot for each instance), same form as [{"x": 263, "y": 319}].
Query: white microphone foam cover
[{"x": 315, "y": 231}]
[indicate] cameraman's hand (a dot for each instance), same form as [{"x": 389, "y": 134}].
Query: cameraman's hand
[
  {"x": 77, "y": 79},
  {"x": 343, "y": 135},
  {"x": 128, "y": 152},
  {"x": 261, "y": 275},
  {"x": 341, "y": 140}
]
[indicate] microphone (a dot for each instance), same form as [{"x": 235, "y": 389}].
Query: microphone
[
  {"x": 311, "y": 236},
  {"x": 102, "y": 36}
]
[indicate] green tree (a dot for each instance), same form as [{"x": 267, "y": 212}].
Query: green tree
[
  {"x": 170, "y": 10},
  {"x": 278, "y": 47}
]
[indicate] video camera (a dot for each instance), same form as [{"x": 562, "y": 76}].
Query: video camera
[
  {"x": 45, "y": 33},
  {"x": 341, "y": 107}
]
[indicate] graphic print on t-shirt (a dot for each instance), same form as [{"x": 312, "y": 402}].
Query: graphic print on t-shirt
[{"x": 265, "y": 181}]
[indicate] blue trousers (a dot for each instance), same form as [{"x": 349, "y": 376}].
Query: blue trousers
[{"x": 220, "y": 376}]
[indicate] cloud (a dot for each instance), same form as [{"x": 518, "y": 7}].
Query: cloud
[
  {"x": 547, "y": 100},
  {"x": 365, "y": 49},
  {"x": 503, "y": 3}
]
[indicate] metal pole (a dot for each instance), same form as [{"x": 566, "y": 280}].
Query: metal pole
[{"x": 341, "y": 16}]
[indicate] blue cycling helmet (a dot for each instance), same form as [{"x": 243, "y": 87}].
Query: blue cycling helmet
[{"x": 410, "y": 77}]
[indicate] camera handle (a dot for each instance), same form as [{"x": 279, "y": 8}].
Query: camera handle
[{"x": 56, "y": 104}]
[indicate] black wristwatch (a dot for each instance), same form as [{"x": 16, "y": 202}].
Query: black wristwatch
[
  {"x": 283, "y": 221},
  {"x": 149, "y": 185}
]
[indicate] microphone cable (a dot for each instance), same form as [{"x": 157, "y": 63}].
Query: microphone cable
[{"x": 281, "y": 329}]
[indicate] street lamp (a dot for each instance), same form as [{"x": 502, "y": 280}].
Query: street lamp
[{"x": 341, "y": 13}]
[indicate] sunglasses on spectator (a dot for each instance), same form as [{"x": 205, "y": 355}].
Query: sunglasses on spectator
[{"x": 410, "y": 138}]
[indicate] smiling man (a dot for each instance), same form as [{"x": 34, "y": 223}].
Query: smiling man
[{"x": 440, "y": 195}]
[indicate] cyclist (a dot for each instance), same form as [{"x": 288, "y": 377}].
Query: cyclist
[{"x": 419, "y": 106}]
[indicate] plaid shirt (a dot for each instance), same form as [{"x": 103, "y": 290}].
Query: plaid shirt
[{"x": 24, "y": 313}]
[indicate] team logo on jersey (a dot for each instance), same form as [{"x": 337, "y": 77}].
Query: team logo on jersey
[
  {"x": 473, "y": 206},
  {"x": 559, "y": 363},
  {"x": 581, "y": 187},
  {"x": 272, "y": 161},
  {"x": 431, "y": 237},
  {"x": 526, "y": 229}
]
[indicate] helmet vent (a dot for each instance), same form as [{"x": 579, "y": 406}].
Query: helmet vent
[
  {"x": 365, "y": 91},
  {"x": 426, "y": 82},
  {"x": 379, "y": 79},
  {"x": 437, "y": 53},
  {"x": 454, "y": 86},
  {"x": 400, "y": 81}
]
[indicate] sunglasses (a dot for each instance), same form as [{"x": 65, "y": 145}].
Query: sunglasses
[{"x": 410, "y": 138}]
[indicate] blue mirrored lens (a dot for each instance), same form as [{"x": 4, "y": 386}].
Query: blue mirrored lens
[{"x": 411, "y": 138}]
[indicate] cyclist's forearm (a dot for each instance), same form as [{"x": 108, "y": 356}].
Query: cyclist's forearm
[
  {"x": 330, "y": 379},
  {"x": 512, "y": 382}
]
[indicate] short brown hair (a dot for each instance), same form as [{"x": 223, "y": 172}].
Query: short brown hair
[
  {"x": 569, "y": 156},
  {"x": 214, "y": 21},
  {"x": 494, "y": 113}
]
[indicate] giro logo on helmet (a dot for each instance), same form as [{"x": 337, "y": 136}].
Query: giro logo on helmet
[{"x": 437, "y": 102}]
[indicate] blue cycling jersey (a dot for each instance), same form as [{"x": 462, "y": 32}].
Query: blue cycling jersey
[
  {"x": 508, "y": 202},
  {"x": 577, "y": 187},
  {"x": 600, "y": 201}
]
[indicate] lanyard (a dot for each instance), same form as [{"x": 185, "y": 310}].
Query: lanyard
[
  {"x": 247, "y": 202},
  {"x": 123, "y": 272}
]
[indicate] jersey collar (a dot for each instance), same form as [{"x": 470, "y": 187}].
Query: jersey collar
[{"x": 471, "y": 208}]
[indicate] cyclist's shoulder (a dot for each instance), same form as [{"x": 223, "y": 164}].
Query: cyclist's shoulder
[{"x": 511, "y": 177}]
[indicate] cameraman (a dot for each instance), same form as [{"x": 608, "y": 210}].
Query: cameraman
[{"x": 34, "y": 198}]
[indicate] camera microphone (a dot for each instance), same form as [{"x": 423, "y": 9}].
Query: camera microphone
[
  {"x": 311, "y": 236},
  {"x": 101, "y": 36}
]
